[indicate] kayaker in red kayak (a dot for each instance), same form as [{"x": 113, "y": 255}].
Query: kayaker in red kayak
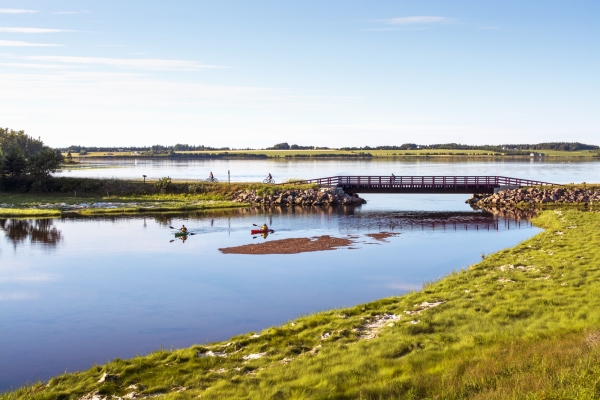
[{"x": 264, "y": 228}]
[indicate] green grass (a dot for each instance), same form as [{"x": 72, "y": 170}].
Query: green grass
[
  {"x": 209, "y": 196},
  {"x": 28, "y": 212},
  {"x": 162, "y": 207},
  {"x": 530, "y": 331}
]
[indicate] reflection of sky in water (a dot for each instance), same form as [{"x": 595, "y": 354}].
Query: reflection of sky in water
[
  {"x": 549, "y": 170},
  {"x": 117, "y": 287}
]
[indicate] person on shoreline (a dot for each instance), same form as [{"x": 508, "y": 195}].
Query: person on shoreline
[
  {"x": 211, "y": 176},
  {"x": 393, "y": 178},
  {"x": 269, "y": 177}
]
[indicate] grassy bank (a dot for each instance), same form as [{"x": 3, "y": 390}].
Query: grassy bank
[
  {"x": 261, "y": 154},
  {"x": 523, "y": 323},
  {"x": 88, "y": 196}
]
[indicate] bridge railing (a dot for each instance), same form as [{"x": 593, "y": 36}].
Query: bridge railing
[{"x": 422, "y": 181}]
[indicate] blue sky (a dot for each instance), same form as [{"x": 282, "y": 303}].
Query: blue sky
[{"x": 326, "y": 73}]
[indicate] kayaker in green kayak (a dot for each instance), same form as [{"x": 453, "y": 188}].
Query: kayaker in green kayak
[{"x": 183, "y": 229}]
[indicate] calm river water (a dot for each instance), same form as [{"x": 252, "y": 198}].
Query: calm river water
[
  {"x": 548, "y": 170},
  {"x": 75, "y": 291}
]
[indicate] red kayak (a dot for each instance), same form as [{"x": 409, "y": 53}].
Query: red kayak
[{"x": 259, "y": 231}]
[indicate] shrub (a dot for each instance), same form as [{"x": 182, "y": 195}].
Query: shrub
[{"x": 164, "y": 184}]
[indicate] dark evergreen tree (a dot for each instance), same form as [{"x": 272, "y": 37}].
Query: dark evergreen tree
[{"x": 15, "y": 162}]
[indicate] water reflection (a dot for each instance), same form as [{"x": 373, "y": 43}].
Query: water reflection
[
  {"x": 509, "y": 213},
  {"x": 21, "y": 231},
  {"x": 119, "y": 288},
  {"x": 345, "y": 219}
]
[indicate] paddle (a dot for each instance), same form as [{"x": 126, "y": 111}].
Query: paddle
[
  {"x": 261, "y": 226},
  {"x": 188, "y": 233}
]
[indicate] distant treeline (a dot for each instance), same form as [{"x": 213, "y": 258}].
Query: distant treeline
[
  {"x": 505, "y": 148},
  {"x": 286, "y": 146},
  {"x": 156, "y": 148},
  {"x": 170, "y": 154},
  {"x": 564, "y": 146}
]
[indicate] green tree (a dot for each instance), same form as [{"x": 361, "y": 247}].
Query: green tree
[
  {"x": 42, "y": 164},
  {"x": 280, "y": 146},
  {"x": 18, "y": 139},
  {"x": 14, "y": 162},
  {"x": 27, "y": 158}
]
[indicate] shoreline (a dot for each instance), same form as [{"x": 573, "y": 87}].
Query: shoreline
[
  {"x": 536, "y": 302},
  {"x": 249, "y": 155}
]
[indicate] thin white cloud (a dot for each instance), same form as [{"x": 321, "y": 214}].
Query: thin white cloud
[
  {"x": 17, "y": 43},
  {"x": 71, "y": 12},
  {"x": 416, "y": 20},
  {"x": 16, "y": 11},
  {"x": 148, "y": 64},
  {"x": 32, "y": 30},
  {"x": 39, "y": 66}
]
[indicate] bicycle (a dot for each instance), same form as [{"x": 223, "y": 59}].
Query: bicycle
[
  {"x": 212, "y": 179},
  {"x": 271, "y": 181}
]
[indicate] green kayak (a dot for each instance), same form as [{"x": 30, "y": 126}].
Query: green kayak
[{"x": 179, "y": 234}]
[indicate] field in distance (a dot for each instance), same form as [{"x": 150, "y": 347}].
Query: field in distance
[{"x": 373, "y": 153}]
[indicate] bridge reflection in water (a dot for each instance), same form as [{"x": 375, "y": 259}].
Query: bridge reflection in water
[
  {"x": 352, "y": 219},
  {"x": 451, "y": 221}
]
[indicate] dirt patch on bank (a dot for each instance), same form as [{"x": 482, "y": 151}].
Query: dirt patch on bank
[
  {"x": 382, "y": 235},
  {"x": 290, "y": 246}
]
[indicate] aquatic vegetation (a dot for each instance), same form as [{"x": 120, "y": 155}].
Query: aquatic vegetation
[{"x": 27, "y": 212}]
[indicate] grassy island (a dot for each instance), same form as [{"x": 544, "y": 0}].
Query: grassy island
[
  {"x": 90, "y": 196},
  {"x": 522, "y": 323},
  {"x": 445, "y": 154}
]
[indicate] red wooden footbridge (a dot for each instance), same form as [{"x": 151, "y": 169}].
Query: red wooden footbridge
[{"x": 423, "y": 184}]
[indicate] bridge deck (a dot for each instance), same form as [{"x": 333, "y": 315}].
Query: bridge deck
[{"x": 423, "y": 184}]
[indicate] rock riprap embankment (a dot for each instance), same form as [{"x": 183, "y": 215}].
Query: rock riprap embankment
[
  {"x": 537, "y": 196},
  {"x": 308, "y": 197}
]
